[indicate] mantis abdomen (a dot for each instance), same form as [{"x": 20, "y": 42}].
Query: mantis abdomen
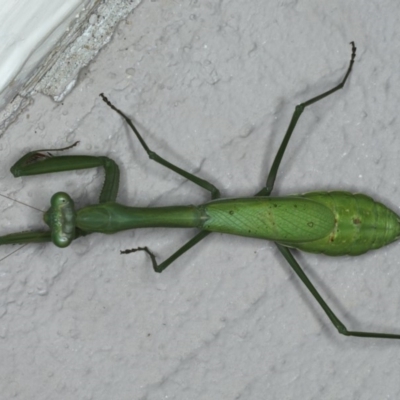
[{"x": 333, "y": 223}]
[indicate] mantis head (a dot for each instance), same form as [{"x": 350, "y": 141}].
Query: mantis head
[{"x": 60, "y": 217}]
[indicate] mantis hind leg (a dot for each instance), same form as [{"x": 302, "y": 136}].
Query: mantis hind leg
[
  {"x": 193, "y": 178},
  {"x": 266, "y": 191},
  {"x": 334, "y": 319}
]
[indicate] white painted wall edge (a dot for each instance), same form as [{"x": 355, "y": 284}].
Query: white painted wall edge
[{"x": 47, "y": 42}]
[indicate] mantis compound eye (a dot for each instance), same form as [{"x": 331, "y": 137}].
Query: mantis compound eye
[{"x": 61, "y": 219}]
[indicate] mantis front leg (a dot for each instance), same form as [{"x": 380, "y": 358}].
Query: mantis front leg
[{"x": 43, "y": 162}]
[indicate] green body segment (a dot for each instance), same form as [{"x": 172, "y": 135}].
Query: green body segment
[
  {"x": 113, "y": 217},
  {"x": 361, "y": 224},
  {"x": 290, "y": 219},
  {"x": 333, "y": 223}
]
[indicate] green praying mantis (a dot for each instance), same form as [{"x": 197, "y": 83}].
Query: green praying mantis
[{"x": 333, "y": 223}]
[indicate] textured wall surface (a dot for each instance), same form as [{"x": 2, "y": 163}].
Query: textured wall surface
[{"x": 212, "y": 86}]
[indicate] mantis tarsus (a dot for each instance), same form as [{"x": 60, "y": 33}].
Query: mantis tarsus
[{"x": 333, "y": 223}]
